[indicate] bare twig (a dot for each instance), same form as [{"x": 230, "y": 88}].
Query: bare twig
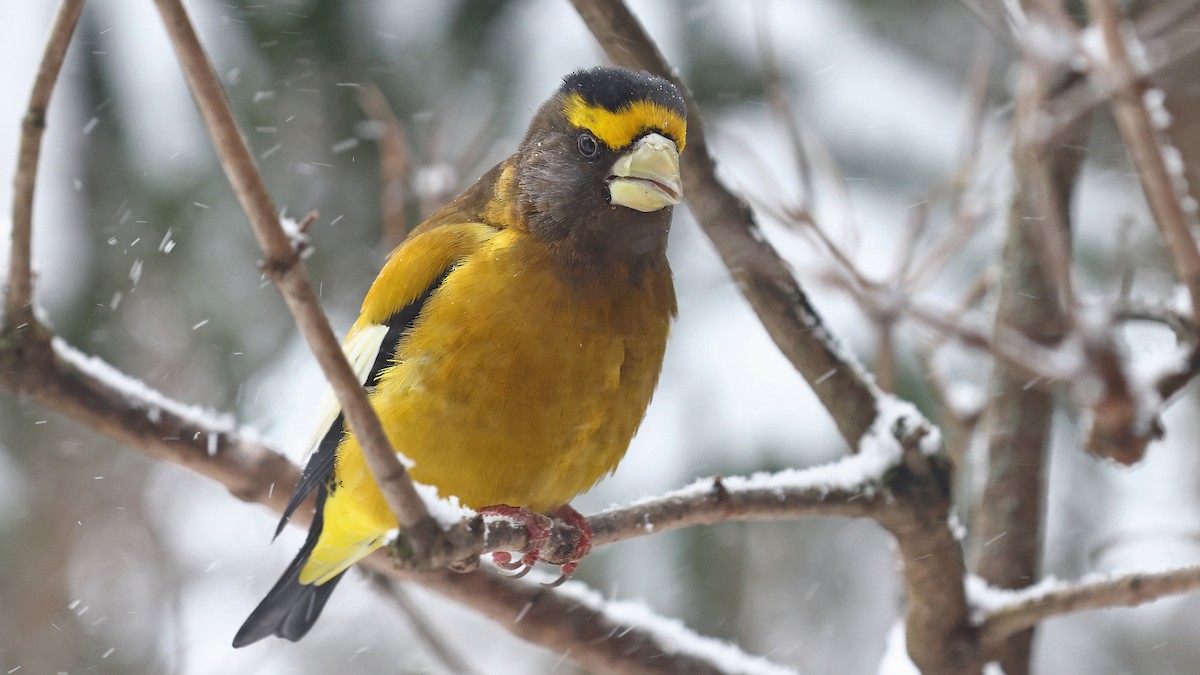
[
  {"x": 762, "y": 276},
  {"x": 449, "y": 657},
  {"x": 18, "y": 307},
  {"x": 289, "y": 274},
  {"x": 1131, "y": 590},
  {"x": 395, "y": 163},
  {"x": 781, "y": 105},
  {"x": 1145, "y": 145},
  {"x": 1180, "y": 325},
  {"x": 1160, "y": 18},
  {"x": 1077, "y": 100}
]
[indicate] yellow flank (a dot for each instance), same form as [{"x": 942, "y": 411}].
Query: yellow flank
[
  {"x": 519, "y": 383},
  {"x": 618, "y": 129}
]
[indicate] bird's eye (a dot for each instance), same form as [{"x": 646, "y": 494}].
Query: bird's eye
[{"x": 588, "y": 145}]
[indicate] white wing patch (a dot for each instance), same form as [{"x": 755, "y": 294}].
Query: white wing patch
[{"x": 360, "y": 350}]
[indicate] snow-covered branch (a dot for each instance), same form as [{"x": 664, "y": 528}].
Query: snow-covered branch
[
  {"x": 102, "y": 398},
  {"x": 853, "y": 486},
  {"x": 1003, "y": 613},
  {"x": 1116, "y": 54},
  {"x": 98, "y": 396},
  {"x": 601, "y": 634}
]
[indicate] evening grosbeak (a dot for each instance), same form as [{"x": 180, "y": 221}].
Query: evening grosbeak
[{"x": 512, "y": 342}]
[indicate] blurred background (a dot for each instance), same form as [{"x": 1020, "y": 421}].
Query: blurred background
[{"x": 112, "y": 563}]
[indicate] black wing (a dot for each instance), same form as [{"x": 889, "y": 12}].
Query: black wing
[
  {"x": 319, "y": 469},
  {"x": 291, "y": 608}
]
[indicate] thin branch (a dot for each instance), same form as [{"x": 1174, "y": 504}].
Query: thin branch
[
  {"x": 1066, "y": 108},
  {"x": 1031, "y": 608},
  {"x": 1180, "y": 325},
  {"x": 1145, "y": 145},
  {"x": 395, "y": 163},
  {"x": 445, "y": 653},
  {"x": 781, "y": 104},
  {"x": 18, "y": 307},
  {"x": 780, "y": 496},
  {"x": 284, "y": 266},
  {"x": 760, "y": 273}
]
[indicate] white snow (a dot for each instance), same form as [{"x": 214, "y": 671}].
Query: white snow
[
  {"x": 291, "y": 228},
  {"x": 986, "y": 600},
  {"x": 448, "y": 512},
  {"x": 859, "y": 471},
  {"x": 435, "y": 180},
  {"x": 965, "y": 398},
  {"x": 140, "y": 395},
  {"x": 672, "y": 634},
  {"x": 1154, "y": 99},
  {"x": 895, "y": 659}
]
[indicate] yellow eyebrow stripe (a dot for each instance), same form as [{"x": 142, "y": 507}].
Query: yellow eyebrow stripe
[{"x": 618, "y": 129}]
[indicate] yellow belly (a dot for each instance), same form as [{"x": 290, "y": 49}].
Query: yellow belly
[{"x": 517, "y": 385}]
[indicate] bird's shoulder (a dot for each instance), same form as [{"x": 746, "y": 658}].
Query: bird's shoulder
[{"x": 431, "y": 249}]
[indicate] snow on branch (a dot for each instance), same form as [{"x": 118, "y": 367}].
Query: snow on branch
[
  {"x": 1001, "y": 613},
  {"x": 93, "y": 393},
  {"x": 601, "y": 634},
  {"x": 1117, "y": 55},
  {"x": 853, "y": 486},
  {"x": 675, "y": 638},
  {"x": 103, "y": 398},
  {"x": 141, "y": 396}
]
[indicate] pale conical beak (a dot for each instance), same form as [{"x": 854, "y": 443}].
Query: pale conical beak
[{"x": 647, "y": 178}]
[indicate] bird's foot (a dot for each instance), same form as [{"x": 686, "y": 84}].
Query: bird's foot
[
  {"x": 570, "y": 516},
  {"x": 539, "y": 528}
]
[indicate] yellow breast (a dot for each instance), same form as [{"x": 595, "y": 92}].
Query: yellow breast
[{"x": 521, "y": 383}]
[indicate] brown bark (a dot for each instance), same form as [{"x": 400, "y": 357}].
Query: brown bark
[{"x": 1008, "y": 524}]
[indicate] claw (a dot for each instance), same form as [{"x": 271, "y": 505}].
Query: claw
[
  {"x": 539, "y": 536},
  {"x": 523, "y": 572},
  {"x": 567, "y": 570}
]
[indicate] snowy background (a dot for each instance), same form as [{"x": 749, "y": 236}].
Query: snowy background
[{"x": 112, "y": 563}]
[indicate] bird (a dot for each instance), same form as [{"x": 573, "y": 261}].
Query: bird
[{"x": 512, "y": 342}]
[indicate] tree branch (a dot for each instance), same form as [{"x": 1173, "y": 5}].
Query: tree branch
[
  {"x": 1024, "y": 609},
  {"x": 285, "y": 268},
  {"x": 940, "y": 638},
  {"x": 18, "y": 304},
  {"x": 609, "y": 636},
  {"x": 1007, "y": 526},
  {"x": 100, "y": 398},
  {"x": 761, "y": 274},
  {"x": 1163, "y": 183},
  {"x": 778, "y": 496}
]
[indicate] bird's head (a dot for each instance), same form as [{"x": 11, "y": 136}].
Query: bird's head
[{"x": 599, "y": 166}]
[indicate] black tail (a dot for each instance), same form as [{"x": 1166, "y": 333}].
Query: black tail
[{"x": 291, "y": 608}]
